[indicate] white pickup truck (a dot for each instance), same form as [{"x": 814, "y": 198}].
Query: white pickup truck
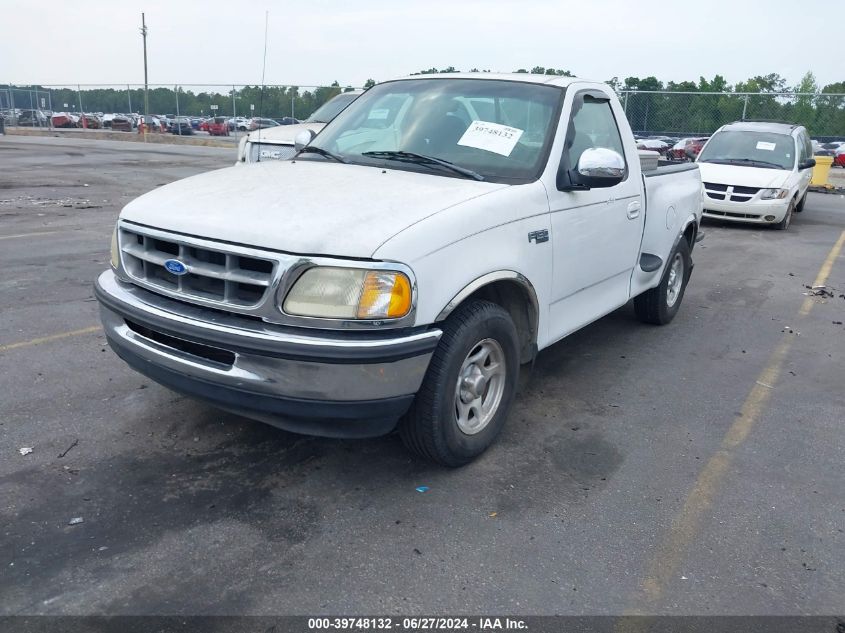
[{"x": 398, "y": 271}]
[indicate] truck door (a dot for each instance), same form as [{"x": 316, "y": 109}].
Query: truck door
[{"x": 596, "y": 232}]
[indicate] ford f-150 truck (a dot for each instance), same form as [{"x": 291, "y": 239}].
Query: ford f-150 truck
[{"x": 402, "y": 266}]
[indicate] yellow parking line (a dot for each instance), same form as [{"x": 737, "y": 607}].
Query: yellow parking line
[
  {"x": 664, "y": 566},
  {"x": 35, "y": 234},
  {"x": 49, "y": 339}
]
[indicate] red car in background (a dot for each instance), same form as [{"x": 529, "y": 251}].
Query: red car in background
[
  {"x": 218, "y": 126},
  {"x": 687, "y": 148},
  {"x": 203, "y": 126}
]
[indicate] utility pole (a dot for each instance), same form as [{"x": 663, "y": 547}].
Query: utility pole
[{"x": 146, "y": 88}]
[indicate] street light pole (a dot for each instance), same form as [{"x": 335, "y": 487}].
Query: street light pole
[{"x": 146, "y": 93}]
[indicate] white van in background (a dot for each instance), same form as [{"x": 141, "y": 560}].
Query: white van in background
[{"x": 756, "y": 172}]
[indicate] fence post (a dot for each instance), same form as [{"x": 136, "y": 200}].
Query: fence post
[
  {"x": 744, "y": 106},
  {"x": 234, "y": 111},
  {"x": 176, "y": 90},
  {"x": 14, "y": 116},
  {"x": 129, "y": 97},
  {"x": 292, "y": 111},
  {"x": 50, "y": 103},
  {"x": 81, "y": 113}
]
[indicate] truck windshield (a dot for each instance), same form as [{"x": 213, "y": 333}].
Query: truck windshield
[
  {"x": 332, "y": 107},
  {"x": 500, "y": 130},
  {"x": 750, "y": 149}
]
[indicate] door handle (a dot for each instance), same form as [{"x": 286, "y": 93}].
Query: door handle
[{"x": 633, "y": 210}]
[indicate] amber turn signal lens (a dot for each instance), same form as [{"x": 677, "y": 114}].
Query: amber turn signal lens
[{"x": 385, "y": 295}]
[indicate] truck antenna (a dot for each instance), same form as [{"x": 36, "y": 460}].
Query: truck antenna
[{"x": 261, "y": 97}]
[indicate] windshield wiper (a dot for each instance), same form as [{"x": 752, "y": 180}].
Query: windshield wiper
[
  {"x": 744, "y": 161},
  {"x": 313, "y": 149},
  {"x": 419, "y": 159}
]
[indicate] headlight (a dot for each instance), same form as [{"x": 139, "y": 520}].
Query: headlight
[
  {"x": 350, "y": 293},
  {"x": 774, "y": 194},
  {"x": 242, "y": 148},
  {"x": 115, "y": 250}
]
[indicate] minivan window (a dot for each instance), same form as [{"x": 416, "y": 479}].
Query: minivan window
[{"x": 748, "y": 148}]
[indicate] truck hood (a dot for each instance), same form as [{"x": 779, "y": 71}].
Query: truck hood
[
  {"x": 743, "y": 176},
  {"x": 307, "y": 207},
  {"x": 283, "y": 134}
]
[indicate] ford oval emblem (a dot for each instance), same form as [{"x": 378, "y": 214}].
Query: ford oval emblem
[{"x": 176, "y": 267}]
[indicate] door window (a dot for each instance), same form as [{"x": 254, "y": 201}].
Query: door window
[{"x": 592, "y": 126}]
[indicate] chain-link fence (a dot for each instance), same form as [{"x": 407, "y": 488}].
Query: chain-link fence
[
  {"x": 675, "y": 114},
  {"x": 94, "y": 106},
  {"x": 685, "y": 114}
]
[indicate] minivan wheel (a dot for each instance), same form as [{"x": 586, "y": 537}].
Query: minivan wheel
[
  {"x": 787, "y": 219},
  {"x": 660, "y": 305},
  {"x": 803, "y": 202},
  {"x": 468, "y": 389}
]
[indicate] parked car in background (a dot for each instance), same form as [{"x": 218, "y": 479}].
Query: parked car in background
[
  {"x": 654, "y": 145},
  {"x": 32, "y": 118},
  {"x": 218, "y": 126},
  {"x": 64, "y": 119},
  {"x": 122, "y": 123},
  {"x": 90, "y": 121},
  {"x": 403, "y": 269},
  {"x": 756, "y": 172},
  {"x": 182, "y": 126},
  {"x": 203, "y": 125},
  {"x": 259, "y": 123},
  {"x": 277, "y": 143},
  {"x": 239, "y": 123},
  {"x": 687, "y": 148},
  {"x": 839, "y": 156}
]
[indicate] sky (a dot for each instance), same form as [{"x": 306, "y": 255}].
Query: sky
[{"x": 316, "y": 42}]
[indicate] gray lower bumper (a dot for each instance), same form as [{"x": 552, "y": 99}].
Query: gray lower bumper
[{"x": 324, "y": 383}]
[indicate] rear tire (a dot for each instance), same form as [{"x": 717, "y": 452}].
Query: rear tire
[
  {"x": 468, "y": 389},
  {"x": 787, "y": 219},
  {"x": 659, "y": 305}
]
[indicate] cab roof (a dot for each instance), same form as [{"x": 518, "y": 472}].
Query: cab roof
[{"x": 555, "y": 80}]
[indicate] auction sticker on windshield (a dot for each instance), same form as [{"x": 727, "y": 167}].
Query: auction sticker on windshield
[
  {"x": 491, "y": 137},
  {"x": 769, "y": 147}
]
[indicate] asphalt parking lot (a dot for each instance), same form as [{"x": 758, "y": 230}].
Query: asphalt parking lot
[{"x": 691, "y": 469}]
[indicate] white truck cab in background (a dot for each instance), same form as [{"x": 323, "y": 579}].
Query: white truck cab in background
[{"x": 436, "y": 235}]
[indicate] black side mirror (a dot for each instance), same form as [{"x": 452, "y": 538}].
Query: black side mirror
[{"x": 807, "y": 164}]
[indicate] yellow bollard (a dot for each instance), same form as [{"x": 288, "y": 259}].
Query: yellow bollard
[{"x": 821, "y": 171}]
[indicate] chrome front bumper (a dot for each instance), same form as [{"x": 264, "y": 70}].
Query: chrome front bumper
[{"x": 349, "y": 384}]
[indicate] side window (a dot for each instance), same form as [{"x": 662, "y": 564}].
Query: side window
[
  {"x": 801, "y": 141},
  {"x": 593, "y": 126}
]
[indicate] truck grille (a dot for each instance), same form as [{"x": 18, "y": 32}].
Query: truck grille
[
  {"x": 231, "y": 279},
  {"x": 270, "y": 151}
]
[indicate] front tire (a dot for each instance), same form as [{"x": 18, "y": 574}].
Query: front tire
[
  {"x": 787, "y": 218},
  {"x": 659, "y": 305},
  {"x": 801, "y": 204},
  {"x": 468, "y": 389}
]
